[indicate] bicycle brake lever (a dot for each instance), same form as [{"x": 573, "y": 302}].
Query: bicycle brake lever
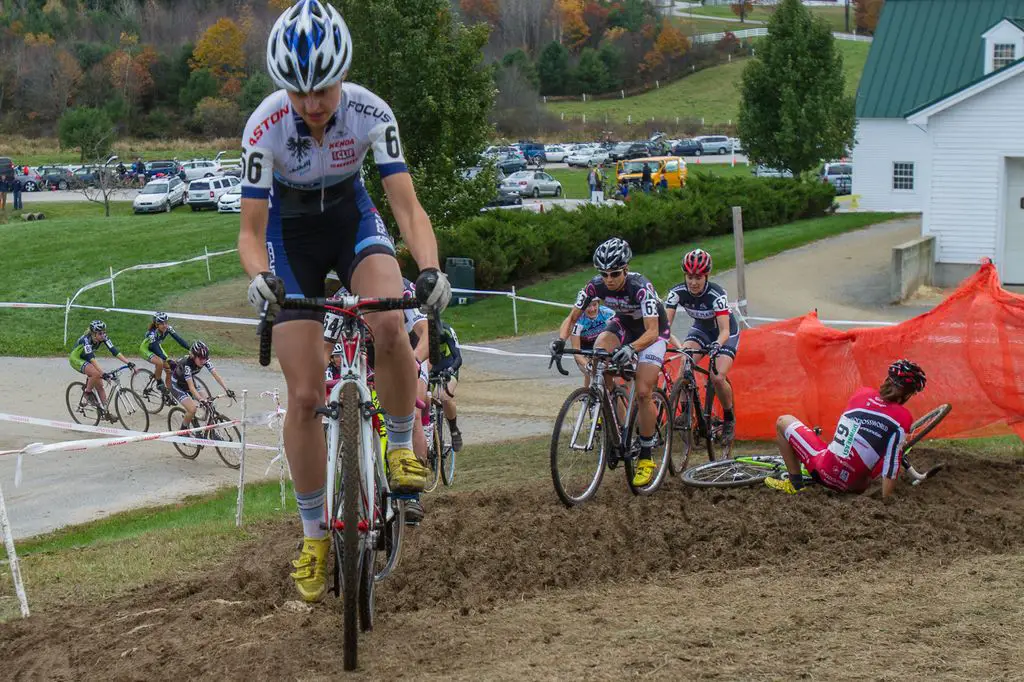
[{"x": 557, "y": 359}]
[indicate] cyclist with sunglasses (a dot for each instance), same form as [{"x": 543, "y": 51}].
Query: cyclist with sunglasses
[{"x": 639, "y": 330}]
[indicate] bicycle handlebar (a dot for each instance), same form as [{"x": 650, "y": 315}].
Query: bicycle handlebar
[
  {"x": 352, "y": 305},
  {"x": 598, "y": 353},
  {"x": 689, "y": 352}
]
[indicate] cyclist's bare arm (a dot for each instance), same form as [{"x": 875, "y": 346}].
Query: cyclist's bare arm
[
  {"x": 723, "y": 328},
  {"x": 568, "y": 322},
  {"x": 252, "y": 237},
  {"x": 670, "y": 313},
  {"x": 413, "y": 222},
  {"x": 650, "y": 334},
  {"x": 422, "y": 349},
  {"x": 220, "y": 381}
]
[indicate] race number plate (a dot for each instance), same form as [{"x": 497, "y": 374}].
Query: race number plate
[{"x": 332, "y": 327}]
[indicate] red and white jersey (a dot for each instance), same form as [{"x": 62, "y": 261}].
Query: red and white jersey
[{"x": 869, "y": 437}]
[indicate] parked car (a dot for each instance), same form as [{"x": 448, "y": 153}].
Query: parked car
[
  {"x": 673, "y": 168},
  {"x": 530, "y": 150},
  {"x": 580, "y": 157},
  {"x": 510, "y": 164},
  {"x": 554, "y": 153},
  {"x": 56, "y": 177},
  {"x": 501, "y": 151},
  {"x": 840, "y": 175},
  {"x": 230, "y": 201},
  {"x": 200, "y": 169},
  {"x": 599, "y": 156},
  {"x": 206, "y": 192},
  {"x": 737, "y": 145},
  {"x": 160, "y": 195},
  {"x": 33, "y": 182},
  {"x": 630, "y": 150},
  {"x": 162, "y": 168},
  {"x": 766, "y": 172},
  {"x": 687, "y": 147},
  {"x": 504, "y": 196},
  {"x": 533, "y": 183},
  {"x": 714, "y": 144},
  {"x": 86, "y": 176}
]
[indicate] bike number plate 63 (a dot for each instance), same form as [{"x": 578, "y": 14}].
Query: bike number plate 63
[{"x": 332, "y": 327}]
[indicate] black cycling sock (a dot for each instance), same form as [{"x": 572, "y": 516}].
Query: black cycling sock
[
  {"x": 797, "y": 481},
  {"x": 452, "y": 424},
  {"x": 729, "y": 416}
]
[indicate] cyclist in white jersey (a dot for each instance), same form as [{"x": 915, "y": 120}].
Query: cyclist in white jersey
[{"x": 305, "y": 212}]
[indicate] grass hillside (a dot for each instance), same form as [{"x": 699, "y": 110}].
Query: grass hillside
[
  {"x": 711, "y": 94},
  {"x": 835, "y": 16}
]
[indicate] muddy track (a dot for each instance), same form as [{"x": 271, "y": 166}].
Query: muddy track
[{"x": 482, "y": 554}]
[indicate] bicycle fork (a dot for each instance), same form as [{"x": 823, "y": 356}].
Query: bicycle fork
[{"x": 594, "y": 410}]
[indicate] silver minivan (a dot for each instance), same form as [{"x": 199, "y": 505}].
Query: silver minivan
[{"x": 715, "y": 144}]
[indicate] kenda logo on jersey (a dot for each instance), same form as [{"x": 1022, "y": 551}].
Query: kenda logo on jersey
[
  {"x": 370, "y": 110},
  {"x": 265, "y": 124}
]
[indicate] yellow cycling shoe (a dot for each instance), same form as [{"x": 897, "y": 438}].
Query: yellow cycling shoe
[
  {"x": 406, "y": 473},
  {"x": 310, "y": 573},
  {"x": 645, "y": 469},
  {"x": 785, "y": 486}
]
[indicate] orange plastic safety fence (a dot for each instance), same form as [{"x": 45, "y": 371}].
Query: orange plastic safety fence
[{"x": 971, "y": 346}]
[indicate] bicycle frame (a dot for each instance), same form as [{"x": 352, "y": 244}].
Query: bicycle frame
[
  {"x": 348, "y": 331},
  {"x": 598, "y": 370}
]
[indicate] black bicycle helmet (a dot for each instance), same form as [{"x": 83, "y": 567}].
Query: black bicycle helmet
[
  {"x": 907, "y": 375},
  {"x": 200, "y": 349},
  {"x": 613, "y": 254}
]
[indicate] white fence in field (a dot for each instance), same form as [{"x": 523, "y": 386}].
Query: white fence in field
[{"x": 763, "y": 31}]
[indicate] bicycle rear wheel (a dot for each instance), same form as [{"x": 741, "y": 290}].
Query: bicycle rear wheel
[
  {"x": 232, "y": 457},
  {"x": 145, "y": 383},
  {"x": 175, "y": 417},
  {"x": 734, "y": 473},
  {"x": 82, "y": 406},
  {"x": 579, "y": 447},
  {"x": 662, "y": 445},
  {"x": 443, "y": 432},
  {"x": 130, "y": 410},
  {"x": 685, "y": 428},
  {"x": 924, "y": 425}
]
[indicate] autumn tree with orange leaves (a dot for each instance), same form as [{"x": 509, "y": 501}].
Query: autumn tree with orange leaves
[
  {"x": 670, "y": 44},
  {"x": 221, "y": 51}
]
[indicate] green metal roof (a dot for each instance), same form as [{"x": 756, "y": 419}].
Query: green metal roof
[{"x": 925, "y": 49}]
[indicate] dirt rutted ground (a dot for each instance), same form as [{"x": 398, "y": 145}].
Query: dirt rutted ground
[{"x": 490, "y": 572}]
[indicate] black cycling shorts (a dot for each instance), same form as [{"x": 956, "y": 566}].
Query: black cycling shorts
[
  {"x": 303, "y": 248},
  {"x": 729, "y": 348}
]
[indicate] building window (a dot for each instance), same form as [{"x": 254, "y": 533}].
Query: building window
[
  {"x": 1003, "y": 54},
  {"x": 903, "y": 176}
]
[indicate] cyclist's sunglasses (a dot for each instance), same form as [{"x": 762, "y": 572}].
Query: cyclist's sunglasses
[{"x": 611, "y": 274}]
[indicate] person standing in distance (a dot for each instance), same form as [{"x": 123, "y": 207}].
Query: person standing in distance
[{"x": 305, "y": 212}]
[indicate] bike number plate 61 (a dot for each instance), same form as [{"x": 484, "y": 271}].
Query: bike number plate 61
[{"x": 332, "y": 327}]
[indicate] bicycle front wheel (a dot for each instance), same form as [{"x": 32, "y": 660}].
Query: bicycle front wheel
[
  {"x": 175, "y": 417},
  {"x": 578, "y": 447},
  {"x": 685, "y": 428},
  {"x": 82, "y": 406},
  {"x": 356, "y": 597},
  {"x": 734, "y": 473},
  {"x": 232, "y": 457},
  {"x": 146, "y": 385},
  {"x": 130, "y": 410}
]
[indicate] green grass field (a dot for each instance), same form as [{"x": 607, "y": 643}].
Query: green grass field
[
  {"x": 492, "y": 317},
  {"x": 835, "y": 16},
  {"x": 711, "y": 94},
  {"x": 48, "y": 261}
]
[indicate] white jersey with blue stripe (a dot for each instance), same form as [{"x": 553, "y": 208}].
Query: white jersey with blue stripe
[{"x": 279, "y": 151}]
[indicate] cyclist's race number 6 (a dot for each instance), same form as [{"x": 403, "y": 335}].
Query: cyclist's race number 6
[
  {"x": 254, "y": 169},
  {"x": 391, "y": 139}
]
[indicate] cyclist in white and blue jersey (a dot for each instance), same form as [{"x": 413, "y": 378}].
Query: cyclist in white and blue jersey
[
  {"x": 587, "y": 328},
  {"x": 305, "y": 212}
]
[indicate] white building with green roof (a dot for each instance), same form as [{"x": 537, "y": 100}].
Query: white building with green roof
[{"x": 940, "y": 129}]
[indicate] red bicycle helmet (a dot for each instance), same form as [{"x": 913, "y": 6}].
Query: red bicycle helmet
[
  {"x": 697, "y": 262},
  {"x": 908, "y": 375}
]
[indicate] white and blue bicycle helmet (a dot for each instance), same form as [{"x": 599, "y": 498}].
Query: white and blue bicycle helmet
[{"x": 309, "y": 47}]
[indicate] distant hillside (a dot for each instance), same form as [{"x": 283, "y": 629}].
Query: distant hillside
[{"x": 711, "y": 94}]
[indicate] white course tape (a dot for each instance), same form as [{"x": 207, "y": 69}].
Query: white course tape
[{"x": 498, "y": 351}]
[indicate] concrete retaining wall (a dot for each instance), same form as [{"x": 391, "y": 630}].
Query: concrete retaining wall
[{"x": 913, "y": 264}]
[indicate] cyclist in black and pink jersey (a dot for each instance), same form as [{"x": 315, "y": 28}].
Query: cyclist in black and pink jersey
[
  {"x": 714, "y": 331},
  {"x": 639, "y": 329},
  {"x": 868, "y": 442},
  {"x": 183, "y": 387}
]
